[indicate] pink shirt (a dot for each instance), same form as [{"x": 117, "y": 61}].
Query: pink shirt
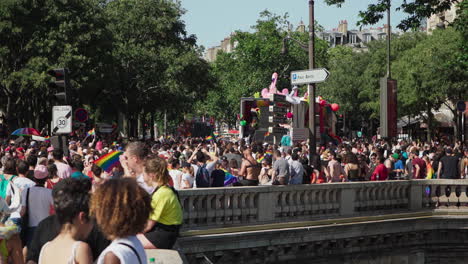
[{"x": 63, "y": 170}]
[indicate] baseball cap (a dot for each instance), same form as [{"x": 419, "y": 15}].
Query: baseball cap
[
  {"x": 395, "y": 156},
  {"x": 41, "y": 172}
]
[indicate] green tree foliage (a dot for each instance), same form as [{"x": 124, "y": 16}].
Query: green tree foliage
[
  {"x": 132, "y": 57},
  {"x": 248, "y": 69},
  {"x": 417, "y": 11},
  {"x": 156, "y": 65},
  {"x": 430, "y": 74},
  {"x": 354, "y": 78},
  {"x": 40, "y": 35}
]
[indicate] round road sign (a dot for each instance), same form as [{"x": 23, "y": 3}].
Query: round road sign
[
  {"x": 81, "y": 115},
  {"x": 461, "y": 106}
]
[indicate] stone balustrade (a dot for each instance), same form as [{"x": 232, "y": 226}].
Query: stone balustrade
[{"x": 240, "y": 206}]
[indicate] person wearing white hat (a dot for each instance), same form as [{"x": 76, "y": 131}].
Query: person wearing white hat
[{"x": 36, "y": 202}]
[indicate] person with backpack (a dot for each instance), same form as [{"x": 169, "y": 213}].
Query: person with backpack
[
  {"x": 165, "y": 218},
  {"x": 9, "y": 173},
  {"x": 202, "y": 168},
  {"x": 36, "y": 203},
  {"x": 14, "y": 190}
]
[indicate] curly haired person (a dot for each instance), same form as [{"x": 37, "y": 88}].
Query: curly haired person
[{"x": 121, "y": 209}]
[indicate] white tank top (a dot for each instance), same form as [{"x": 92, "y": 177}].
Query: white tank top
[
  {"x": 128, "y": 250},
  {"x": 71, "y": 260}
]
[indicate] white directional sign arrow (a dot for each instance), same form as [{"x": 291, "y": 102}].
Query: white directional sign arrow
[{"x": 309, "y": 76}]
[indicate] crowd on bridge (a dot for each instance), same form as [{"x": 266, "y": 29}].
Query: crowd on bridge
[{"x": 68, "y": 205}]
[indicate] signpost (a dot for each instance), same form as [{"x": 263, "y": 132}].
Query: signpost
[
  {"x": 277, "y": 119},
  {"x": 309, "y": 76},
  {"x": 278, "y": 130},
  {"x": 278, "y": 109},
  {"x": 62, "y": 119}
]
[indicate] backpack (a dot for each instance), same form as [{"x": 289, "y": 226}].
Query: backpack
[
  {"x": 202, "y": 178},
  {"x": 4, "y": 184}
]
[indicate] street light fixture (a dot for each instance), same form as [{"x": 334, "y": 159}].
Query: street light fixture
[{"x": 310, "y": 48}]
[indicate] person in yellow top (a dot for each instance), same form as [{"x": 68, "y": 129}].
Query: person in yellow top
[{"x": 165, "y": 218}]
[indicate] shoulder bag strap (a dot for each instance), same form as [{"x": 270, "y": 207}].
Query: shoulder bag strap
[
  {"x": 133, "y": 249},
  {"x": 27, "y": 199}
]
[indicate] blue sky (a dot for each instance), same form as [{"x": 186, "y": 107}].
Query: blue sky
[{"x": 213, "y": 20}]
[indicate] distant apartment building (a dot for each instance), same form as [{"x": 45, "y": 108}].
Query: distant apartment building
[
  {"x": 442, "y": 19},
  {"x": 353, "y": 38},
  {"x": 227, "y": 45}
]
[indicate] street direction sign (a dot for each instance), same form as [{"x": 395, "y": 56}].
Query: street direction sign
[
  {"x": 279, "y": 130},
  {"x": 277, "y": 119},
  {"x": 280, "y": 98},
  {"x": 62, "y": 119},
  {"x": 309, "y": 76},
  {"x": 278, "y": 109}
]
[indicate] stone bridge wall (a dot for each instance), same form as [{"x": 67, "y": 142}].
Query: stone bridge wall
[
  {"x": 227, "y": 207},
  {"x": 418, "y": 221}
]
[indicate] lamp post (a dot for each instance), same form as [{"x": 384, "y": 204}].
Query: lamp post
[{"x": 311, "y": 86}]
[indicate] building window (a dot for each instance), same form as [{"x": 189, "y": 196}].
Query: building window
[{"x": 352, "y": 38}]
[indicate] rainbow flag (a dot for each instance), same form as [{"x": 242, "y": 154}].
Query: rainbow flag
[
  {"x": 209, "y": 138},
  {"x": 259, "y": 160},
  {"x": 267, "y": 134},
  {"x": 114, "y": 143},
  {"x": 269, "y": 152},
  {"x": 215, "y": 134},
  {"x": 109, "y": 161},
  {"x": 91, "y": 132},
  {"x": 229, "y": 178}
]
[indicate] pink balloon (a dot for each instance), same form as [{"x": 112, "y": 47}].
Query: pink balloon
[
  {"x": 323, "y": 103},
  {"x": 285, "y": 91},
  {"x": 265, "y": 93},
  {"x": 289, "y": 115},
  {"x": 335, "y": 107}
]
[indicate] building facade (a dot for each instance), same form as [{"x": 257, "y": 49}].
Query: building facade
[
  {"x": 443, "y": 18},
  {"x": 226, "y": 45},
  {"x": 354, "y": 38}
]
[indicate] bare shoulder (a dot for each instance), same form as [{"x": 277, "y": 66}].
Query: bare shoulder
[
  {"x": 110, "y": 258},
  {"x": 83, "y": 253}
]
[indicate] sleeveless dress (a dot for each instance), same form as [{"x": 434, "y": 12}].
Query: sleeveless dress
[
  {"x": 127, "y": 250},
  {"x": 71, "y": 260}
]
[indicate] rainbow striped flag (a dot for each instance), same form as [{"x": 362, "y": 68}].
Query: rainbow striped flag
[
  {"x": 209, "y": 138},
  {"x": 215, "y": 134},
  {"x": 91, "y": 132},
  {"x": 269, "y": 152},
  {"x": 109, "y": 161},
  {"x": 259, "y": 160},
  {"x": 267, "y": 134}
]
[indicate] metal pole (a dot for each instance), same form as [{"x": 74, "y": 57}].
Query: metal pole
[
  {"x": 311, "y": 87},
  {"x": 165, "y": 123},
  {"x": 389, "y": 34}
]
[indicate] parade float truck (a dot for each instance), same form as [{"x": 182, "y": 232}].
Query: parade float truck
[{"x": 274, "y": 114}]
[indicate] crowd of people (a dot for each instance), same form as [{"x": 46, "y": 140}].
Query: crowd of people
[{"x": 59, "y": 208}]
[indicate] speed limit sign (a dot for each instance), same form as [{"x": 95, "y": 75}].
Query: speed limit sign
[{"x": 62, "y": 119}]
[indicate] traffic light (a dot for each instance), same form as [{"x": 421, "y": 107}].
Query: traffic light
[{"x": 61, "y": 84}]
